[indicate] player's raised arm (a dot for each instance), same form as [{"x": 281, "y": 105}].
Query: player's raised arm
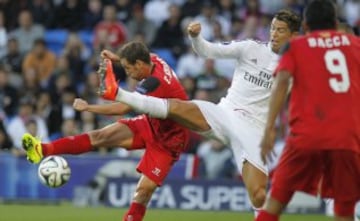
[
  {"x": 105, "y": 109},
  {"x": 106, "y": 54},
  {"x": 208, "y": 49}
]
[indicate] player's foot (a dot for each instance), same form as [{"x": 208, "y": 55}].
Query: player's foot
[
  {"x": 33, "y": 148},
  {"x": 108, "y": 84}
]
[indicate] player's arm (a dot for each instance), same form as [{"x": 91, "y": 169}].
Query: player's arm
[
  {"x": 279, "y": 94},
  {"x": 106, "y": 54},
  {"x": 213, "y": 50},
  {"x": 277, "y": 101},
  {"x": 105, "y": 109}
]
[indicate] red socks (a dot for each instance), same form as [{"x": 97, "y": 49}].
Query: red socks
[
  {"x": 136, "y": 212},
  {"x": 265, "y": 216},
  {"x": 68, "y": 145}
]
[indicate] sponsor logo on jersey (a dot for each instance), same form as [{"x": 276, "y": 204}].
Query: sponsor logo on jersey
[{"x": 261, "y": 79}]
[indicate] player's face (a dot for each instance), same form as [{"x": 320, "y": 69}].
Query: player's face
[
  {"x": 132, "y": 70},
  {"x": 279, "y": 34}
]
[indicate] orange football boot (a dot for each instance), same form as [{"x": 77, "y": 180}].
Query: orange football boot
[{"x": 108, "y": 84}]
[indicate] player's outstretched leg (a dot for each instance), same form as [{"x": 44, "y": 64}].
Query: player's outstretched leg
[
  {"x": 109, "y": 90},
  {"x": 33, "y": 148},
  {"x": 108, "y": 84}
]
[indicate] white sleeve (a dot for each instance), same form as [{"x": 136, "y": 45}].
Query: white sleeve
[{"x": 232, "y": 50}]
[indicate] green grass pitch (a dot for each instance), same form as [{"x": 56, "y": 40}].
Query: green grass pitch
[{"x": 66, "y": 212}]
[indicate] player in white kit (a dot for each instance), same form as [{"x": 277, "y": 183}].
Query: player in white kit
[{"x": 239, "y": 118}]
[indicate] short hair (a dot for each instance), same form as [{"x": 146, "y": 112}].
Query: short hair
[
  {"x": 320, "y": 15},
  {"x": 133, "y": 51},
  {"x": 292, "y": 19}
]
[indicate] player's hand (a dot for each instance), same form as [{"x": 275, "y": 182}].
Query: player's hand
[
  {"x": 80, "y": 104},
  {"x": 194, "y": 29},
  {"x": 267, "y": 146},
  {"x": 106, "y": 54}
]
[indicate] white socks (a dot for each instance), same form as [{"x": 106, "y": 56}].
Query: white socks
[{"x": 155, "y": 107}]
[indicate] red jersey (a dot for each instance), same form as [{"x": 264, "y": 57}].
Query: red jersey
[
  {"x": 325, "y": 97},
  {"x": 163, "y": 83},
  {"x": 115, "y": 33}
]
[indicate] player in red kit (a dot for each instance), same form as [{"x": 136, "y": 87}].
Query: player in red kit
[
  {"x": 324, "y": 107},
  {"x": 163, "y": 140}
]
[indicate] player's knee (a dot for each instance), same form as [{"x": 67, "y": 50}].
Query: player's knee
[
  {"x": 97, "y": 138},
  {"x": 258, "y": 196}
]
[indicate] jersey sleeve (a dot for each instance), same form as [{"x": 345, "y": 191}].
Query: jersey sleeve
[
  {"x": 152, "y": 86},
  {"x": 287, "y": 60},
  {"x": 230, "y": 50}
]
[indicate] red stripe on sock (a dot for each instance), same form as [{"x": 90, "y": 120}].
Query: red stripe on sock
[{"x": 68, "y": 145}]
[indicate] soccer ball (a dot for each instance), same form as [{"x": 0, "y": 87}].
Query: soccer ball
[{"x": 54, "y": 171}]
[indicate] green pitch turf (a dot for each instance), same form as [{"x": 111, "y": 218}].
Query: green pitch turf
[{"x": 66, "y": 212}]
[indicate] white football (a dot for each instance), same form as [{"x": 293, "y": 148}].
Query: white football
[{"x": 54, "y": 171}]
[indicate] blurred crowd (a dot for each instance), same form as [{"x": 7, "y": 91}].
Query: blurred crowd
[{"x": 49, "y": 54}]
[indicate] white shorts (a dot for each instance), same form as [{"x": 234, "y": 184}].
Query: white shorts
[{"x": 237, "y": 129}]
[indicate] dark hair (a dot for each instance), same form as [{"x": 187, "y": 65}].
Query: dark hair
[
  {"x": 320, "y": 15},
  {"x": 292, "y": 19},
  {"x": 133, "y": 51}
]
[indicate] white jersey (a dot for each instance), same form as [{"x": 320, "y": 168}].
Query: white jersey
[{"x": 252, "y": 80}]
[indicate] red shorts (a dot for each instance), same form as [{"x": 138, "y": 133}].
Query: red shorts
[
  {"x": 331, "y": 173},
  {"x": 157, "y": 161}
]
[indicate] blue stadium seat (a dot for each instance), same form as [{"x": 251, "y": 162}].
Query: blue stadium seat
[{"x": 56, "y": 39}]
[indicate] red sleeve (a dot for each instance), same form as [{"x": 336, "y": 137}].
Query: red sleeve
[{"x": 287, "y": 61}]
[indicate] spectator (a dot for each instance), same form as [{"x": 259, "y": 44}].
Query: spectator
[
  {"x": 90, "y": 89},
  {"x": 252, "y": 30},
  {"x": 69, "y": 15},
  {"x": 207, "y": 17},
  {"x": 41, "y": 60},
  {"x": 42, "y": 12},
  {"x": 123, "y": 10},
  {"x": 157, "y": 11},
  {"x": 191, "y": 8},
  {"x": 69, "y": 127},
  {"x": 31, "y": 85},
  {"x": 227, "y": 9},
  {"x": 109, "y": 32},
  {"x": 17, "y": 125},
  {"x": 76, "y": 53},
  {"x": 88, "y": 121},
  {"x": 208, "y": 78},
  {"x": 170, "y": 34},
  {"x": 13, "y": 57},
  {"x": 216, "y": 160},
  {"x": 189, "y": 64},
  {"x": 252, "y": 8},
  {"x": 93, "y": 14},
  {"x": 27, "y": 32},
  {"x": 8, "y": 94},
  {"x": 5, "y": 140},
  {"x": 139, "y": 25},
  {"x": 351, "y": 9}
]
